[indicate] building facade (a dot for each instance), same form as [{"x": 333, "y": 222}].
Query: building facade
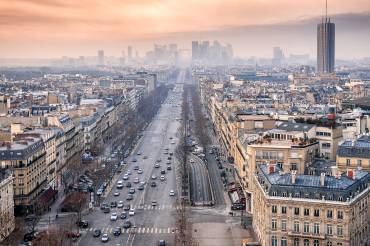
[{"x": 7, "y": 221}]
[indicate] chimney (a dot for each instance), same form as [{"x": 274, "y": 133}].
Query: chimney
[
  {"x": 322, "y": 179},
  {"x": 334, "y": 171},
  {"x": 351, "y": 174},
  {"x": 294, "y": 176},
  {"x": 271, "y": 168}
]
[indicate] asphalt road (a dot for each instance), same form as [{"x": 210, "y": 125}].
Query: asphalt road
[
  {"x": 200, "y": 192},
  {"x": 150, "y": 223}
]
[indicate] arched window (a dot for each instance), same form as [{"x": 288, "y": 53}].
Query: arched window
[
  {"x": 306, "y": 242},
  {"x": 296, "y": 242},
  {"x": 329, "y": 244},
  {"x": 316, "y": 243}
]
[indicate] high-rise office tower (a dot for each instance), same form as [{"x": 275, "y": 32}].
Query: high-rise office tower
[
  {"x": 325, "y": 46},
  {"x": 194, "y": 50},
  {"x": 129, "y": 52},
  {"x": 100, "y": 57},
  {"x": 278, "y": 56}
]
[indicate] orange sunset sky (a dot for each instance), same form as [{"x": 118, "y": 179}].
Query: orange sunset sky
[{"x": 52, "y": 28}]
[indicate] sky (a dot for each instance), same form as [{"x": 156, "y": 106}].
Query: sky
[{"x": 55, "y": 28}]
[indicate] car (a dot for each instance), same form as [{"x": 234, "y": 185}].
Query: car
[
  {"x": 103, "y": 205},
  {"x": 191, "y": 161},
  {"x": 168, "y": 162},
  {"x": 126, "y": 224},
  {"x": 117, "y": 231},
  {"x": 113, "y": 204},
  {"x": 136, "y": 180},
  {"x": 126, "y": 207},
  {"x": 128, "y": 172},
  {"x": 153, "y": 184},
  {"x": 123, "y": 215},
  {"x": 162, "y": 178},
  {"x": 99, "y": 192},
  {"x": 140, "y": 187},
  {"x": 97, "y": 233},
  {"x": 106, "y": 210},
  {"x": 161, "y": 243},
  {"x": 116, "y": 193},
  {"x": 131, "y": 191},
  {"x": 173, "y": 142},
  {"x": 134, "y": 160},
  {"x": 169, "y": 158},
  {"x": 136, "y": 168},
  {"x": 72, "y": 234},
  {"x": 128, "y": 185},
  {"x": 163, "y": 171},
  {"x": 159, "y": 160},
  {"x": 105, "y": 238},
  {"x": 169, "y": 168},
  {"x": 145, "y": 157},
  {"x": 120, "y": 184},
  {"x": 113, "y": 217},
  {"x": 120, "y": 204},
  {"x": 157, "y": 165},
  {"x": 125, "y": 177},
  {"x": 131, "y": 212},
  {"x": 154, "y": 177},
  {"x": 140, "y": 171},
  {"x": 82, "y": 223},
  {"x": 172, "y": 193},
  {"x": 154, "y": 203},
  {"x": 129, "y": 197},
  {"x": 138, "y": 153}
]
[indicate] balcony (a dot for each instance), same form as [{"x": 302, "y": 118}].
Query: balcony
[{"x": 306, "y": 235}]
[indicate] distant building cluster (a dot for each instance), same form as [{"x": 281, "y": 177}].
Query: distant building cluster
[{"x": 212, "y": 54}]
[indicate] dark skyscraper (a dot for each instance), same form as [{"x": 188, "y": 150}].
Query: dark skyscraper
[{"x": 325, "y": 46}]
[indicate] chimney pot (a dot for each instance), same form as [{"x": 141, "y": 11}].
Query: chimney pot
[
  {"x": 322, "y": 179},
  {"x": 294, "y": 176}
]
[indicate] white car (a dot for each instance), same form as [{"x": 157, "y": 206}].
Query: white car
[
  {"x": 105, "y": 238},
  {"x": 131, "y": 212},
  {"x": 191, "y": 161},
  {"x": 154, "y": 177},
  {"x": 172, "y": 193},
  {"x": 125, "y": 177},
  {"x": 162, "y": 178},
  {"x": 136, "y": 180},
  {"x": 140, "y": 171},
  {"x": 113, "y": 217},
  {"x": 120, "y": 204}
]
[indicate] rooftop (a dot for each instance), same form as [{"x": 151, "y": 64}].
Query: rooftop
[{"x": 358, "y": 148}]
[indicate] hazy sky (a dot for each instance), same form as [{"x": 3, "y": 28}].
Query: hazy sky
[{"x": 53, "y": 28}]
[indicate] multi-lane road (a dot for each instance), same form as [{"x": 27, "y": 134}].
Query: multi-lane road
[{"x": 150, "y": 223}]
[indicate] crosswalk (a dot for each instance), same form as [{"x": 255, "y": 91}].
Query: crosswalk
[
  {"x": 138, "y": 230},
  {"x": 150, "y": 207}
]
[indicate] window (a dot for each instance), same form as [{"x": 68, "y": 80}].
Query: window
[
  {"x": 340, "y": 231},
  {"x": 340, "y": 215},
  {"x": 273, "y": 241},
  {"x": 283, "y": 241},
  {"x": 296, "y": 226},
  {"x": 306, "y": 242},
  {"x": 296, "y": 211},
  {"x": 294, "y": 166},
  {"x": 273, "y": 224},
  {"x": 306, "y": 212},
  {"x": 329, "y": 229},
  {"x": 329, "y": 244},
  {"x": 316, "y": 228},
  {"x": 283, "y": 225},
  {"x": 274, "y": 209},
  {"x": 359, "y": 163},
  {"x": 283, "y": 210},
  {"x": 316, "y": 243},
  {"x": 306, "y": 227},
  {"x": 329, "y": 214},
  {"x": 316, "y": 213},
  {"x": 348, "y": 162},
  {"x": 296, "y": 242},
  {"x": 325, "y": 145}
]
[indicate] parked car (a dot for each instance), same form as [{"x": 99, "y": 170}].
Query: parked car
[
  {"x": 97, "y": 233},
  {"x": 82, "y": 223}
]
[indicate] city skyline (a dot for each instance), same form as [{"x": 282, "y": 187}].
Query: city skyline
[{"x": 28, "y": 27}]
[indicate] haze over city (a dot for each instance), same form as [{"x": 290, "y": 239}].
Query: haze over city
[{"x": 55, "y": 28}]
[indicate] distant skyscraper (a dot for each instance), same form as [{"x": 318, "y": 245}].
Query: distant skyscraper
[
  {"x": 100, "y": 57},
  {"x": 129, "y": 52},
  {"x": 278, "y": 56},
  {"x": 325, "y": 46},
  {"x": 195, "y": 50}
]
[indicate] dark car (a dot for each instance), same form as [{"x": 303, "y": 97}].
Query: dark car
[
  {"x": 82, "y": 223},
  {"x": 123, "y": 215},
  {"x": 140, "y": 187},
  {"x": 129, "y": 197},
  {"x": 131, "y": 191},
  {"x": 153, "y": 184},
  {"x": 128, "y": 184},
  {"x": 161, "y": 243},
  {"x": 29, "y": 236},
  {"x": 163, "y": 171},
  {"x": 117, "y": 231},
  {"x": 97, "y": 233},
  {"x": 106, "y": 210},
  {"x": 126, "y": 224},
  {"x": 136, "y": 168},
  {"x": 169, "y": 168},
  {"x": 127, "y": 207},
  {"x": 113, "y": 204}
]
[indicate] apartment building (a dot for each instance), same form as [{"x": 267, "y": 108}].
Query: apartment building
[
  {"x": 295, "y": 209},
  {"x": 7, "y": 220},
  {"x": 354, "y": 154}
]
